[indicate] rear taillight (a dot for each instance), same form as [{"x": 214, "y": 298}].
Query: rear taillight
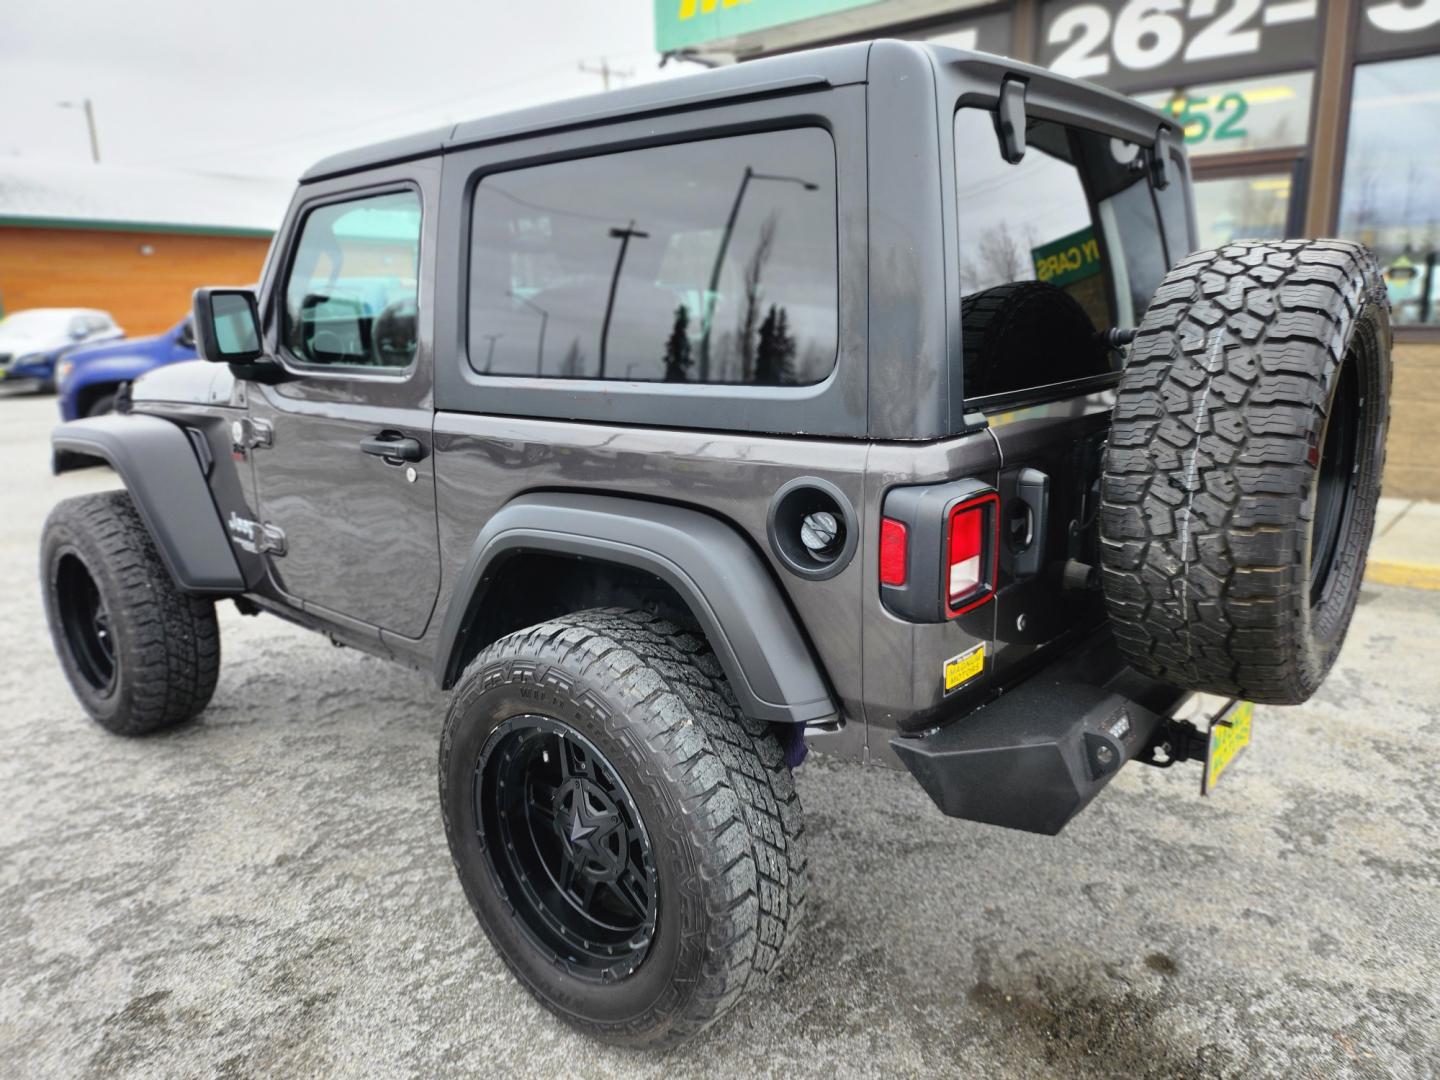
[
  {"x": 972, "y": 551},
  {"x": 894, "y": 552},
  {"x": 939, "y": 549}
]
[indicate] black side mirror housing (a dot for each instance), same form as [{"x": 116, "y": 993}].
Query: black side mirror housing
[
  {"x": 227, "y": 326},
  {"x": 1010, "y": 120}
]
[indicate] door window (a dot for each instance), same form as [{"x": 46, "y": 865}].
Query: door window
[
  {"x": 703, "y": 262},
  {"x": 353, "y": 293}
]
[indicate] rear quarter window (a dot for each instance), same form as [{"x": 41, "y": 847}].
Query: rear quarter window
[{"x": 712, "y": 261}]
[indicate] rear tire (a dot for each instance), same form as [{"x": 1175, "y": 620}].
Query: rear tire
[
  {"x": 1243, "y": 467},
  {"x": 695, "y": 813},
  {"x": 140, "y": 654}
]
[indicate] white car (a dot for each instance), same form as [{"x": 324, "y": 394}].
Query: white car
[{"x": 32, "y": 341}]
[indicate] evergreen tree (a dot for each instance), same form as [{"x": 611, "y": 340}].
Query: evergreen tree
[
  {"x": 574, "y": 360},
  {"x": 775, "y": 354},
  {"x": 678, "y": 359}
]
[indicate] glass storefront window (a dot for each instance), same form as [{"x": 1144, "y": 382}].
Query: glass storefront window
[
  {"x": 1389, "y": 198},
  {"x": 1253, "y": 207},
  {"x": 1242, "y": 114}
]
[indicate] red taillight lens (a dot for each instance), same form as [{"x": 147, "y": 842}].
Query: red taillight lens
[
  {"x": 967, "y": 544},
  {"x": 969, "y": 581},
  {"x": 894, "y": 552}
]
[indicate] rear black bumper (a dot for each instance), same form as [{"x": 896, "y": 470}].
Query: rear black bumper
[{"x": 1035, "y": 757}]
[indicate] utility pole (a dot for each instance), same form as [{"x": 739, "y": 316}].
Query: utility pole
[
  {"x": 606, "y": 72},
  {"x": 89, "y": 107}
]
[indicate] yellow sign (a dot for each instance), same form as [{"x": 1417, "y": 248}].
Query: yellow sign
[
  {"x": 1228, "y": 736},
  {"x": 961, "y": 669}
]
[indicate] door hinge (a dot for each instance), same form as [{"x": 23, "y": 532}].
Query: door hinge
[
  {"x": 271, "y": 540},
  {"x": 258, "y": 538}
]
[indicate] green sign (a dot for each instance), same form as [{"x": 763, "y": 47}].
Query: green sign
[
  {"x": 1071, "y": 258},
  {"x": 685, "y": 24}
]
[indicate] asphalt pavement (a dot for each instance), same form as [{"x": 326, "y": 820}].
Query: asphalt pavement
[{"x": 268, "y": 891}]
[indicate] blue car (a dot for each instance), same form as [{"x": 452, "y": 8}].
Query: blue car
[
  {"x": 32, "y": 342},
  {"x": 88, "y": 379}
]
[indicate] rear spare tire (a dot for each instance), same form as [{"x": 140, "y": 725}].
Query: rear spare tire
[
  {"x": 1243, "y": 467},
  {"x": 1024, "y": 334}
]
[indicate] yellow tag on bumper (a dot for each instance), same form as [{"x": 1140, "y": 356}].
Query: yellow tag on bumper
[
  {"x": 1229, "y": 735},
  {"x": 961, "y": 669}
]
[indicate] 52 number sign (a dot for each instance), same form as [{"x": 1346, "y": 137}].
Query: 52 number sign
[{"x": 1201, "y": 120}]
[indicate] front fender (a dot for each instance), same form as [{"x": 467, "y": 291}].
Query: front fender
[
  {"x": 708, "y": 563},
  {"x": 158, "y": 464}
]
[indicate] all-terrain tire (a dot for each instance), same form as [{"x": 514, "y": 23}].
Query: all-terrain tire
[
  {"x": 1221, "y": 450},
  {"x": 1024, "y": 334},
  {"x": 710, "y": 784},
  {"x": 155, "y": 661}
]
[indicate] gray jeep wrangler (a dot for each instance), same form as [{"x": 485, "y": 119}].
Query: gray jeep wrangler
[{"x": 867, "y": 399}]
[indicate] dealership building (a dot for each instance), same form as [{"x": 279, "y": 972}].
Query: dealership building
[{"x": 1302, "y": 118}]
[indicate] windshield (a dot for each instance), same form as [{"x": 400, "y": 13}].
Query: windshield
[{"x": 1053, "y": 250}]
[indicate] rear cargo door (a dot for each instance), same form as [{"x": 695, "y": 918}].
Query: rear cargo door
[{"x": 1055, "y": 250}]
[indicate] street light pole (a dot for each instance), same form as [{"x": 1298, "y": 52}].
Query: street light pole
[
  {"x": 89, "y": 107},
  {"x": 624, "y": 236},
  {"x": 718, "y": 268}
]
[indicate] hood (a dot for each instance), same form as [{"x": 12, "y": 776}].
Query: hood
[
  {"x": 21, "y": 343},
  {"x": 197, "y": 382}
]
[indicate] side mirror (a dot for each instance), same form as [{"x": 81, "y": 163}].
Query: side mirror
[
  {"x": 1010, "y": 120},
  {"x": 78, "y": 332},
  {"x": 187, "y": 335},
  {"x": 227, "y": 326}
]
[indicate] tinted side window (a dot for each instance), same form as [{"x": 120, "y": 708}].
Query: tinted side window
[
  {"x": 1062, "y": 245},
  {"x": 709, "y": 262},
  {"x": 352, "y": 296}
]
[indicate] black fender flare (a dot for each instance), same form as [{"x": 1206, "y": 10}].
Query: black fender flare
[
  {"x": 158, "y": 464},
  {"x": 708, "y": 563}
]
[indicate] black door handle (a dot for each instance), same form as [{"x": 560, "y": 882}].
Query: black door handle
[{"x": 393, "y": 448}]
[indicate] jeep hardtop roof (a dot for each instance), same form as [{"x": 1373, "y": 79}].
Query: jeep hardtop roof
[{"x": 838, "y": 65}]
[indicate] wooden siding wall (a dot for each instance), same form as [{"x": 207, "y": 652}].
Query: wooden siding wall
[{"x": 43, "y": 267}]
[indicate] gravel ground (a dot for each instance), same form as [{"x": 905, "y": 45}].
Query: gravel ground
[{"x": 268, "y": 891}]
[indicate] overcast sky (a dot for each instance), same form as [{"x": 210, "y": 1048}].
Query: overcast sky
[{"x": 265, "y": 87}]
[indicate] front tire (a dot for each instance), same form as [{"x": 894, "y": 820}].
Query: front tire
[
  {"x": 140, "y": 654},
  {"x": 630, "y": 843}
]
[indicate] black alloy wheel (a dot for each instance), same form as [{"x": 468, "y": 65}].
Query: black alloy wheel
[
  {"x": 630, "y": 842},
  {"x": 86, "y": 623},
  {"x": 567, "y": 846},
  {"x": 1337, "y": 478},
  {"x": 140, "y": 654}
]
